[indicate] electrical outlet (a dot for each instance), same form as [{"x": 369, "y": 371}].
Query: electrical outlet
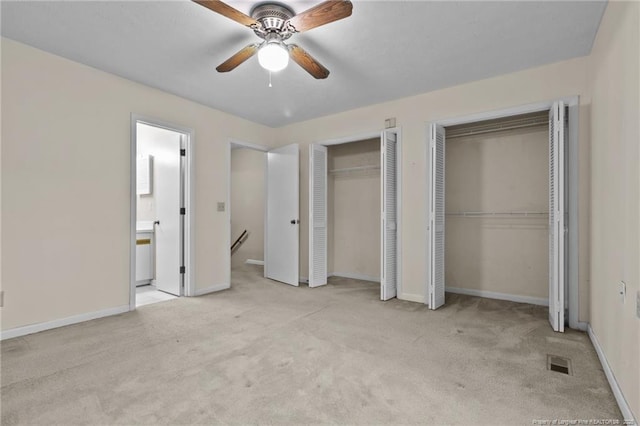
[
  {"x": 623, "y": 291},
  {"x": 220, "y": 206}
]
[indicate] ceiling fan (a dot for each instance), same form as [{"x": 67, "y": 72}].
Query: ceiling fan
[{"x": 274, "y": 23}]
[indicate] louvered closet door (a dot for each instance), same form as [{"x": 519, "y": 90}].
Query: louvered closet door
[
  {"x": 436, "y": 217},
  {"x": 318, "y": 215},
  {"x": 389, "y": 261},
  {"x": 556, "y": 216}
]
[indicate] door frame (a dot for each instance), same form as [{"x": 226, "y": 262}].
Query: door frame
[
  {"x": 187, "y": 194},
  {"x": 256, "y": 147},
  {"x": 357, "y": 138},
  {"x": 573, "y": 102}
]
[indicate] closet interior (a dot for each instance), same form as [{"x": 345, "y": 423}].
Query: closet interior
[
  {"x": 497, "y": 208},
  {"x": 353, "y": 210}
]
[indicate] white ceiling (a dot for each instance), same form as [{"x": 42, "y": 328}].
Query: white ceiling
[{"x": 385, "y": 50}]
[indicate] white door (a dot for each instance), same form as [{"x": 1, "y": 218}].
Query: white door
[
  {"x": 557, "y": 200},
  {"x": 389, "y": 208},
  {"x": 436, "y": 217},
  {"x": 165, "y": 146},
  {"x": 281, "y": 257},
  {"x": 317, "y": 215}
]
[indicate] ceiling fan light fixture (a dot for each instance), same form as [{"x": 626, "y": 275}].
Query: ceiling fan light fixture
[{"x": 273, "y": 57}]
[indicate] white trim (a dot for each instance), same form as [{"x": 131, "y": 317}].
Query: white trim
[
  {"x": 75, "y": 319},
  {"x": 574, "y": 200},
  {"x": 189, "y": 188},
  {"x": 574, "y": 104},
  {"x": 418, "y": 298},
  {"x": 506, "y": 112},
  {"x": 233, "y": 143},
  {"x": 500, "y": 296},
  {"x": 254, "y": 262},
  {"x": 355, "y": 276},
  {"x": 212, "y": 289},
  {"x": 617, "y": 391},
  {"x": 349, "y": 139}
]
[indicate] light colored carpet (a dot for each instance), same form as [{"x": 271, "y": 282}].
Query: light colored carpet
[{"x": 268, "y": 353}]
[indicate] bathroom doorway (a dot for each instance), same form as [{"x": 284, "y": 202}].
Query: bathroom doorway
[{"x": 160, "y": 212}]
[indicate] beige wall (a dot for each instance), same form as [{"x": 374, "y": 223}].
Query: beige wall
[
  {"x": 247, "y": 203},
  {"x": 65, "y": 183},
  {"x": 534, "y": 85},
  {"x": 498, "y": 172},
  {"x": 354, "y": 219},
  {"x": 615, "y": 180}
]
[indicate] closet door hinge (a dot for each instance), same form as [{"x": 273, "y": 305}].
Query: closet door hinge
[
  {"x": 182, "y": 270},
  {"x": 183, "y": 152},
  {"x": 183, "y": 211}
]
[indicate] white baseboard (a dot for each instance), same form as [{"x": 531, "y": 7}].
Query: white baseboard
[
  {"x": 617, "y": 392},
  {"x": 500, "y": 296},
  {"x": 355, "y": 276},
  {"x": 583, "y": 326},
  {"x": 412, "y": 297},
  {"x": 212, "y": 289},
  {"x": 35, "y": 328},
  {"x": 254, "y": 262}
]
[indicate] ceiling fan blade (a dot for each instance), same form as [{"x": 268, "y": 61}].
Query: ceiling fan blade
[
  {"x": 244, "y": 54},
  {"x": 306, "y": 61},
  {"x": 228, "y": 11},
  {"x": 324, "y": 13}
]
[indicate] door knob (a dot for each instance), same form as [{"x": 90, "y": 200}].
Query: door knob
[{"x": 294, "y": 221}]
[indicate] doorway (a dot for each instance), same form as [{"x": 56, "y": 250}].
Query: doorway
[
  {"x": 161, "y": 266},
  {"x": 354, "y": 210},
  {"x": 263, "y": 213},
  {"x": 517, "y": 211}
]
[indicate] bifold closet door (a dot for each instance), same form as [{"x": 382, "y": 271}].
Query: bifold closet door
[
  {"x": 557, "y": 233},
  {"x": 436, "y": 216},
  {"x": 281, "y": 256},
  {"x": 317, "y": 215},
  {"x": 389, "y": 237}
]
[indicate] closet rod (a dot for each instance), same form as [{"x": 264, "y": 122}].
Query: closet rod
[
  {"x": 477, "y": 214},
  {"x": 496, "y": 129},
  {"x": 355, "y": 169}
]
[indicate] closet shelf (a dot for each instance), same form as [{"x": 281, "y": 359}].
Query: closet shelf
[
  {"x": 355, "y": 169},
  {"x": 489, "y": 214}
]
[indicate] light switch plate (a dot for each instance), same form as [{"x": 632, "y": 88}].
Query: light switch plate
[
  {"x": 622, "y": 290},
  {"x": 390, "y": 123},
  {"x": 220, "y": 206}
]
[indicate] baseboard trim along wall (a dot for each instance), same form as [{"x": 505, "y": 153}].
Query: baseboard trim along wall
[
  {"x": 617, "y": 392},
  {"x": 212, "y": 289},
  {"x": 254, "y": 262},
  {"x": 75, "y": 319},
  {"x": 355, "y": 276},
  {"x": 500, "y": 296}
]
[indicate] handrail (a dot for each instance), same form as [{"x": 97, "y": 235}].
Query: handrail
[{"x": 239, "y": 241}]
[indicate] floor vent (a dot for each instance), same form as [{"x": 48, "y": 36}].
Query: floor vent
[{"x": 559, "y": 364}]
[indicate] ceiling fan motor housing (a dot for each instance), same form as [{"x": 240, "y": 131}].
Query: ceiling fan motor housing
[{"x": 272, "y": 17}]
